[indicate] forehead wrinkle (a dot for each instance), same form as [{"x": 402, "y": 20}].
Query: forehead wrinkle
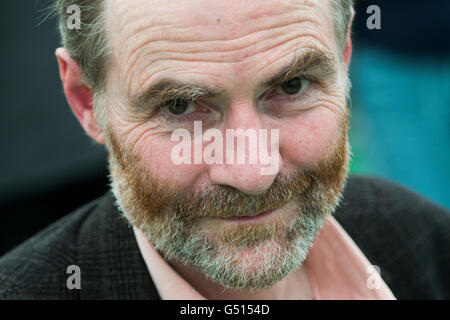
[
  {"x": 169, "y": 63},
  {"x": 248, "y": 43},
  {"x": 132, "y": 22},
  {"x": 220, "y": 35},
  {"x": 172, "y": 58},
  {"x": 233, "y": 51},
  {"x": 312, "y": 60},
  {"x": 180, "y": 16},
  {"x": 234, "y": 47}
]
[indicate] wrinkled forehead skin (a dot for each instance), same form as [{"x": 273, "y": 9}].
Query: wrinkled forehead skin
[{"x": 229, "y": 45}]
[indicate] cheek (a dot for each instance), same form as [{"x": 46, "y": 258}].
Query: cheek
[
  {"x": 308, "y": 138},
  {"x": 155, "y": 149},
  {"x": 152, "y": 145}
]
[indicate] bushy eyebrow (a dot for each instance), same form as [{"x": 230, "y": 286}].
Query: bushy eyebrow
[
  {"x": 310, "y": 63},
  {"x": 166, "y": 90}
]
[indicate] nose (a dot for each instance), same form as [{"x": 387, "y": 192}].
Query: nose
[{"x": 245, "y": 139}]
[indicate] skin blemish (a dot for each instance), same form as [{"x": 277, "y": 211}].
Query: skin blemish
[{"x": 218, "y": 20}]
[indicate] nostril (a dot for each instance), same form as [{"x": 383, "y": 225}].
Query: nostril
[{"x": 246, "y": 178}]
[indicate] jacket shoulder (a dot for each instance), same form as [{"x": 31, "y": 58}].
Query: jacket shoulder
[
  {"x": 403, "y": 233},
  {"x": 37, "y": 268}
]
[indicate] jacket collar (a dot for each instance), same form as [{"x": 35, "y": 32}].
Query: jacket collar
[{"x": 110, "y": 261}]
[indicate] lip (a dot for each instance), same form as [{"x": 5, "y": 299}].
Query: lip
[{"x": 249, "y": 219}]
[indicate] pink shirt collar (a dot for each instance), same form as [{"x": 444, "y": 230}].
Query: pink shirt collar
[{"x": 336, "y": 267}]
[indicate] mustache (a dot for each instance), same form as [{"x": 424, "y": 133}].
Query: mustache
[
  {"x": 228, "y": 202},
  {"x": 154, "y": 198}
]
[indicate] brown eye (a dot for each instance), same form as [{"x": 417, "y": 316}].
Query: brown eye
[
  {"x": 294, "y": 86},
  {"x": 180, "y": 106}
]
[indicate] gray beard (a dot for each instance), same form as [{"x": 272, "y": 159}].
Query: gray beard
[{"x": 179, "y": 238}]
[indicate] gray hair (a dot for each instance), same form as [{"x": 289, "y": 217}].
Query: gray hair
[
  {"x": 342, "y": 13},
  {"x": 89, "y": 47}
]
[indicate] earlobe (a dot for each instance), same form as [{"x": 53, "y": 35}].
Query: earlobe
[{"x": 79, "y": 96}]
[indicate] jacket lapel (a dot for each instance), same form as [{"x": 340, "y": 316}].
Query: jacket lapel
[{"x": 110, "y": 261}]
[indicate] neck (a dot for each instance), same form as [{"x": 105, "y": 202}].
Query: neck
[{"x": 294, "y": 286}]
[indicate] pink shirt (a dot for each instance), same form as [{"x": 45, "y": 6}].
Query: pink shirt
[{"x": 336, "y": 267}]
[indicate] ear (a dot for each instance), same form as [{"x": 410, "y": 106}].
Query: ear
[
  {"x": 78, "y": 95},
  {"x": 348, "y": 42}
]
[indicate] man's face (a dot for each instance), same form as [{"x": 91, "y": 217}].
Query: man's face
[{"x": 248, "y": 65}]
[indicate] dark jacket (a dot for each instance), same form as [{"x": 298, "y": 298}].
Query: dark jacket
[{"x": 402, "y": 233}]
